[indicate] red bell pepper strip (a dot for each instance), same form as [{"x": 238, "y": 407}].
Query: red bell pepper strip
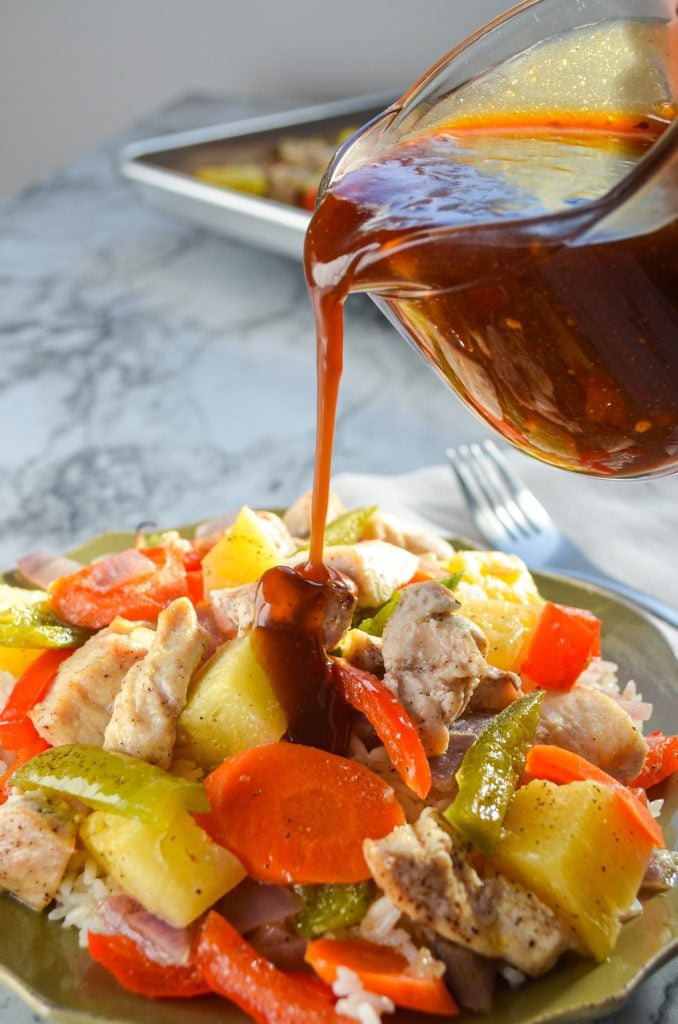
[
  {"x": 562, "y": 766},
  {"x": 233, "y": 969},
  {"x": 588, "y": 619},
  {"x": 85, "y": 599},
  {"x": 383, "y": 970},
  {"x": 391, "y": 722},
  {"x": 195, "y": 586},
  {"x": 16, "y": 729},
  {"x": 17, "y": 732},
  {"x": 661, "y": 760},
  {"x": 560, "y": 649},
  {"x": 135, "y": 971}
]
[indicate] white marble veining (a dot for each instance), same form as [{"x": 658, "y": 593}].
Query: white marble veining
[{"x": 150, "y": 371}]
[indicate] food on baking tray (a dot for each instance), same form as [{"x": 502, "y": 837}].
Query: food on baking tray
[
  {"x": 322, "y": 793},
  {"x": 290, "y": 174}
]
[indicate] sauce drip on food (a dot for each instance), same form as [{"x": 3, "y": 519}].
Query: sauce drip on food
[
  {"x": 287, "y": 639},
  {"x": 570, "y": 351}
]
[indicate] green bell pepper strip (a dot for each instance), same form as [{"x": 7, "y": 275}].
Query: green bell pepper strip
[
  {"x": 491, "y": 770},
  {"x": 332, "y": 908},
  {"x": 347, "y": 528},
  {"x": 108, "y": 781},
  {"x": 452, "y": 581},
  {"x": 377, "y": 623},
  {"x": 36, "y": 626}
]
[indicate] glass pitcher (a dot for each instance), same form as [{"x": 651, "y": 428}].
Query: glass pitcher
[{"x": 549, "y": 302}]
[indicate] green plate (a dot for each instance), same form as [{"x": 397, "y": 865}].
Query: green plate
[{"x": 41, "y": 961}]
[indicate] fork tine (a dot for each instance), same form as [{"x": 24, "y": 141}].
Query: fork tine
[
  {"x": 501, "y": 495},
  {"x": 490, "y": 518},
  {"x": 528, "y": 505}
]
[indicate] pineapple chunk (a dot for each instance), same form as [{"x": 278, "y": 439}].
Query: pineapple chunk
[
  {"x": 231, "y": 707},
  {"x": 507, "y": 626},
  {"x": 242, "y": 555},
  {"x": 176, "y": 873},
  {"x": 498, "y": 593},
  {"x": 17, "y": 659},
  {"x": 492, "y": 574},
  {"x": 575, "y": 847}
]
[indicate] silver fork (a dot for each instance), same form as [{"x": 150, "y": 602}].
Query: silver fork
[{"x": 509, "y": 518}]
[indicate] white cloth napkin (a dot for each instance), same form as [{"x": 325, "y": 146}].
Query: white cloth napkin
[{"x": 628, "y": 528}]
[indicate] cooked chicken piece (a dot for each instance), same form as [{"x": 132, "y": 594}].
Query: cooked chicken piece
[
  {"x": 426, "y": 870},
  {"x": 433, "y": 660},
  {"x": 153, "y": 692},
  {"x": 662, "y": 871},
  {"x": 79, "y": 704},
  {"x": 364, "y": 651},
  {"x": 37, "y": 840},
  {"x": 297, "y": 519},
  {"x": 376, "y": 568},
  {"x": 496, "y": 691},
  {"x": 590, "y": 723},
  {"x": 234, "y": 611},
  {"x": 394, "y": 530}
]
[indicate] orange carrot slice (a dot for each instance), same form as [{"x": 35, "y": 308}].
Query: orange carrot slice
[
  {"x": 295, "y": 814},
  {"x": 382, "y": 970}
]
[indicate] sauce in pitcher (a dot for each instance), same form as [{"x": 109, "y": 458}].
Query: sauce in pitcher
[{"x": 569, "y": 350}]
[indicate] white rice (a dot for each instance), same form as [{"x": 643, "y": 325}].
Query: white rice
[
  {"x": 356, "y": 1002},
  {"x": 601, "y": 674},
  {"x": 513, "y": 976},
  {"x": 380, "y": 925},
  {"x": 82, "y": 887}
]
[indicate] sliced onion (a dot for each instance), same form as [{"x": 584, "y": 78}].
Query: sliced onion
[
  {"x": 117, "y": 569},
  {"x": 252, "y": 904},
  {"x": 277, "y": 945},
  {"x": 638, "y": 710},
  {"x": 40, "y": 568},
  {"x": 216, "y": 525},
  {"x": 122, "y": 915},
  {"x": 215, "y": 636},
  {"x": 463, "y": 733}
]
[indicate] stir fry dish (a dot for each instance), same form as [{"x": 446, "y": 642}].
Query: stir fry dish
[
  {"x": 406, "y": 781},
  {"x": 290, "y": 174}
]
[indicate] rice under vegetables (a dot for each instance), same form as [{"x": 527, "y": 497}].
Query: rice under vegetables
[
  {"x": 81, "y": 889},
  {"x": 356, "y": 1002}
]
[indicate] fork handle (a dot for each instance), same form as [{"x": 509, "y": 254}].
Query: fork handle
[{"x": 651, "y": 604}]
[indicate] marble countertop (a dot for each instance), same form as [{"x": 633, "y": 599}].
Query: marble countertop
[{"x": 151, "y": 371}]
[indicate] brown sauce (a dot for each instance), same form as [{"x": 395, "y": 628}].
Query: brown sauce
[
  {"x": 287, "y": 643},
  {"x": 569, "y": 351}
]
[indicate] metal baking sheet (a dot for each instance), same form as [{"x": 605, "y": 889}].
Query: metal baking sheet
[{"x": 162, "y": 170}]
